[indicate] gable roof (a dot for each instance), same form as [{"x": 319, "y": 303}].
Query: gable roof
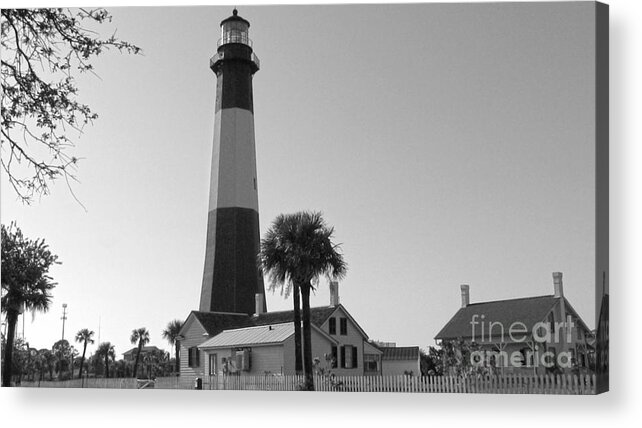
[
  {"x": 143, "y": 349},
  {"x": 216, "y": 322},
  {"x": 528, "y": 310},
  {"x": 352, "y": 320},
  {"x": 371, "y": 348},
  {"x": 400, "y": 353},
  {"x": 258, "y": 335},
  {"x": 318, "y": 316}
]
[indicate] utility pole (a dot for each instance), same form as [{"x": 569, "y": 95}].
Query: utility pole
[{"x": 64, "y": 318}]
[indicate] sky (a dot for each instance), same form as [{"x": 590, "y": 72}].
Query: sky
[{"x": 446, "y": 143}]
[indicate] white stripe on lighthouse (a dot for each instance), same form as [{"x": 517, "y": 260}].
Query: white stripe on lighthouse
[{"x": 234, "y": 156}]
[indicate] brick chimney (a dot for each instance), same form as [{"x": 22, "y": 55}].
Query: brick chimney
[
  {"x": 557, "y": 284},
  {"x": 559, "y": 293},
  {"x": 258, "y": 304},
  {"x": 334, "y": 293},
  {"x": 465, "y": 295}
]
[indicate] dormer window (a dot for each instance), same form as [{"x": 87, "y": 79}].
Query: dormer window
[
  {"x": 343, "y": 326},
  {"x": 332, "y": 326}
]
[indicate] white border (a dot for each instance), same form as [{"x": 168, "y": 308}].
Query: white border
[{"x": 115, "y": 408}]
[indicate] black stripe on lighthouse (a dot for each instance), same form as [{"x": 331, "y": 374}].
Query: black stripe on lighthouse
[
  {"x": 230, "y": 261},
  {"x": 234, "y": 77}
]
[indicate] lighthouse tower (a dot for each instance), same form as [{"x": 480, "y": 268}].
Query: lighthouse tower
[{"x": 231, "y": 278}]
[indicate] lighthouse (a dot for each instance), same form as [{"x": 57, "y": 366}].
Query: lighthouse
[{"x": 231, "y": 278}]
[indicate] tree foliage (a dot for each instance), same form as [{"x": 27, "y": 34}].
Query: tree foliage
[
  {"x": 63, "y": 352},
  {"x": 431, "y": 362},
  {"x": 296, "y": 251},
  {"x": 26, "y": 284},
  {"x": 106, "y": 353},
  {"x": 42, "y": 50},
  {"x": 140, "y": 336},
  {"x": 456, "y": 357},
  {"x": 84, "y": 336},
  {"x": 171, "y": 334}
]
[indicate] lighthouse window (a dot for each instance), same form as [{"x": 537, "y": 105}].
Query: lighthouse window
[{"x": 235, "y": 32}]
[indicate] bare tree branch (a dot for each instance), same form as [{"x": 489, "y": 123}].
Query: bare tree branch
[{"x": 41, "y": 51}]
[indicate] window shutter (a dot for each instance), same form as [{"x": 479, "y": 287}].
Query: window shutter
[
  {"x": 355, "y": 357},
  {"x": 334, "y": 357},
  {"x": 343, "y": 357}
]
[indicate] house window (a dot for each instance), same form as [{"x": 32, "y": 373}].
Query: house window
[
  {"x": 343, "y": 326},
  {"x": 349, "y": 357},
  {"x": 349, "y": 351},
  {"x": 334, "y": 357},
  {"x": 370, "y": 363},
  {"x": 193, "y": 357},
  {"x": 333, "y": 326},
  {"x": 551, "y": 322}
]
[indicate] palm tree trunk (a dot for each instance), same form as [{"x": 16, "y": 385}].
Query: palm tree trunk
[
  {"x": 12, "y": 319},
  {"x": 140, "y": 346},
  {"x": 298, "y": 364},
  {"x": 82, "y": 360},
  {"x": 307, "y": 338},
  {"x": 107, "y": 366},
  {"x": 177, "y": 352}
]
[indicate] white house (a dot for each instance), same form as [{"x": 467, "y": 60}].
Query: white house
[
  {"x": 530, "y": 335},
  {"x": 218, "y": 343}
]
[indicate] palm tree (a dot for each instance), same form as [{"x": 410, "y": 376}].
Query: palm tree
[
  {"x": 106, "y": 351},
  {"x": 63, "y": 352},
  {"x": 140, "y": 335},
  {"x": 84, "y": 336},
  {"x": 171, "y": 335},
  {"x": 25, "y": 283},
  {"x": 295, "y": 252},
  {"x": 272, "y": 260},
  {"x": 48, "y": 361}
]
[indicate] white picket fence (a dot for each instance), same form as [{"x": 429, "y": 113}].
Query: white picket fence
[
  {"x": 116, "y": 383},
  {"x": 508, "y": 384}
]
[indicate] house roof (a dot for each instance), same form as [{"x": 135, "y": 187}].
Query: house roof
[
  {"x": 258, "y": 335},
  {"x": 528, "y": 310},
  {"x": 216, "y": 322},
  {"x": 143, "y": 349},
  {"x": 400, "y": 353},
  {"x": 370, "y": 348}
]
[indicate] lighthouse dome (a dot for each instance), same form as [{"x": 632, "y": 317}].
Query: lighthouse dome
[
  {"x": 235, "y": 30},
  {"x": 235, "y": 18}
]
